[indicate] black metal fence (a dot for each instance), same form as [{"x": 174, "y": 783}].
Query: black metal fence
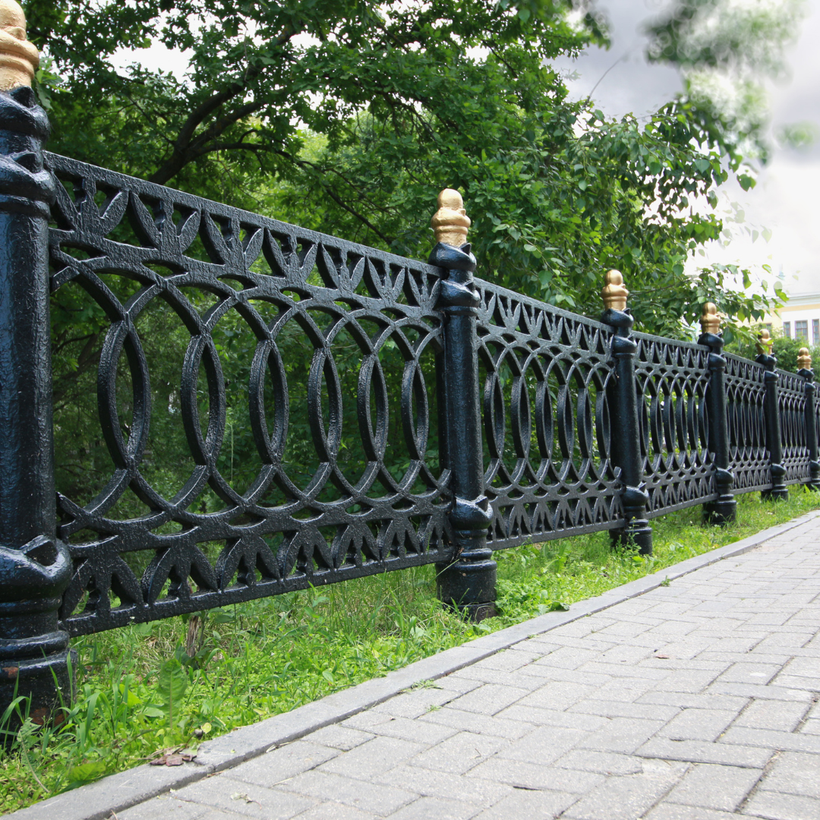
[{"x": 332, "y": 411}]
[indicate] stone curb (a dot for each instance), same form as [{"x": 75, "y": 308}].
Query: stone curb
[{"x": 101, "y": 800}]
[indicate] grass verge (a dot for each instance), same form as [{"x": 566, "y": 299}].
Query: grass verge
[{"x": 147, "y": 689}]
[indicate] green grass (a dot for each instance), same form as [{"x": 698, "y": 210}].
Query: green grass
[{"x": 148, "y": 688}]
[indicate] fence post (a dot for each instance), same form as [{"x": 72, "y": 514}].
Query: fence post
[
  {"x": 626, "y": 437},
  {"x": 468, "y": 583},
  {"x": 724, "y": 509},
  {"x": 34, "y": 566},
  {"x": 804, "y": 370},
  {"x": 772, "y": 414}
]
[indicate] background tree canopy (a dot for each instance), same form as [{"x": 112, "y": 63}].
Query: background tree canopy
[{"x": 348, "y": 116}]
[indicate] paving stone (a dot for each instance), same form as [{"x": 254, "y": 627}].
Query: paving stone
[
  {"x": 698, "y": 751},
  {"x": 761, "y": 692},
  {"x": 286, "y": 761},
  {"x": 544, "y": 744},
  {"x": 623, "y": 735},
  {"x": 568, "y": 657},
  {"x": 377, "y": 755},
  {"x": 377, "y": 799},
  {"x": 608, "y": 763},
  {"x": 534, "y": 716},
  {"x": 329, "y": 810},
  {"x": 489, "y": 699},
  {"x": 458, "y": 753},
  {"x": 529, "y": 775},
  {"x": 229, "y": 794},
  {"x": 340, "y": 737},
  {"x": 672, "y": 811},
  {"x": 689, "y": 700},
  {"x": 430, "y": 783},
  {"x": 794, "y": 773},
  {"x": 509, "y": 660},
  {"x": 417, "y": 731},
  {"x": 415, "y": 702},
  {"x": 627, "y": 797},
  {"x": 614, "y": 708},
  {"x": 494, "y": 726},
  {"x": 774, "y": 806},
  {"x": 714, "y": 787},
  {"x": 556, "y": 695},
  {"x": 164, "y": 807},
  {"x": 457, "y": 683},
  {"x": 811, "y": 727},
  {"x": 766, "y": 738},
  {"x": 798, "y": 682},
  {"x": 781, "y": 716},
  {"x": 427, "y": 807},
  {"x": 757, "y": 673},
  {"x": 533, "y": 805},
  {"x": 698, "y": 724}
]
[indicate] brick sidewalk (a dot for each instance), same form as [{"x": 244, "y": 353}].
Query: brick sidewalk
[{"x": 693, "y": 701}]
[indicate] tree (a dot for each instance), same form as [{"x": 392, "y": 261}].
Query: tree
[{"x": 349, "y": 116}]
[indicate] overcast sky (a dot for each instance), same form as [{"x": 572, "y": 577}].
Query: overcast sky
[{"x": 787, "y": 197}]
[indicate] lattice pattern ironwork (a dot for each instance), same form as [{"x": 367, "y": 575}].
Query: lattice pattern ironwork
[
  {"x": 791, "y": 397},
  {"x": 673, "y": 379},
  {"x": 745, "y": 398},
  {"x": 269, "y": 402},
  {"x": 546, "y": 373},
  {"x": 305, "y": 513}
]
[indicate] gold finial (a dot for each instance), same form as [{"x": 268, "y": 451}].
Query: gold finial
[
  {"x": 450, "y": 221},
  {"x": 614, "y": 292},
  {"x": 765, "y": 343},
  {"x": 18, "y": 57},
  {"x": 804, "y": 359},
  {"x": 709, "y": 320}
]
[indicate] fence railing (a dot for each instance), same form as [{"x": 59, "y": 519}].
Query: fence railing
[{"x": 242, "y": 408}]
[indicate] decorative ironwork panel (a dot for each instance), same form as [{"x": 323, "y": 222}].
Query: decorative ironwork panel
[
  {"x": 546, "y": 422},
  {"x": 673, "y": 380},
  {"x": 745, "y": 397},
  {"x": 266, "y": 414},
  {"x": 791, "y": 398}
]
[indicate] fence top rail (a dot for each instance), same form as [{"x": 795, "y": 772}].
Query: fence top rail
[
  {"x": 649, "y": 337},
  {"x": 500, "y": 291},
  {"x": 67, "y": 167}
]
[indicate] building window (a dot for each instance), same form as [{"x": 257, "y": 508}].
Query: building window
[
  {"x": 801, "y": 330},
  {"x": 815, "y": 331},
  {"x": 787, "y": 329}
]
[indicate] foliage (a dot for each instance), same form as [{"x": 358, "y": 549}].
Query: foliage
[
  {"x": 150, "y": 688},
  {"x": 350, "y": 116},
  {"x": 726, "y": 49}
]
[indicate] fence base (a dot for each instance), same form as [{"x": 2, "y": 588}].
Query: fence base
[
  {"x": 637, "y": 534},
  {"x": 45, "y": 682},
  {"x": 468, "y": 585},
  {"x": 719, "y": 513}
]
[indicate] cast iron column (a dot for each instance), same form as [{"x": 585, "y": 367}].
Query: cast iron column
[
  {"x": 626, "y": 436},
  {"x": 468, "y": 583},
  {"x": 772, "y": 414},
  {"x": 724, "y": 509},
  {"x": 34, "y": 566},
  {"x": 804, "y": 365}
]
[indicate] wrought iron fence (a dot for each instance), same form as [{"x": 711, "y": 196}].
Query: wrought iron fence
[{"x": 243, "y": 407}]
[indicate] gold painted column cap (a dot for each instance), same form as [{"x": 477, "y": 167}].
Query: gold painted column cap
[
  {"x": 804, "y": 359},
  {"x": 710, "y": 319},
  {"x": 765, "y": 343},
  {"x": 18, "y": 57},
  {"x": 614, "y": 293},
  {"x": 450, "y": 222}
]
